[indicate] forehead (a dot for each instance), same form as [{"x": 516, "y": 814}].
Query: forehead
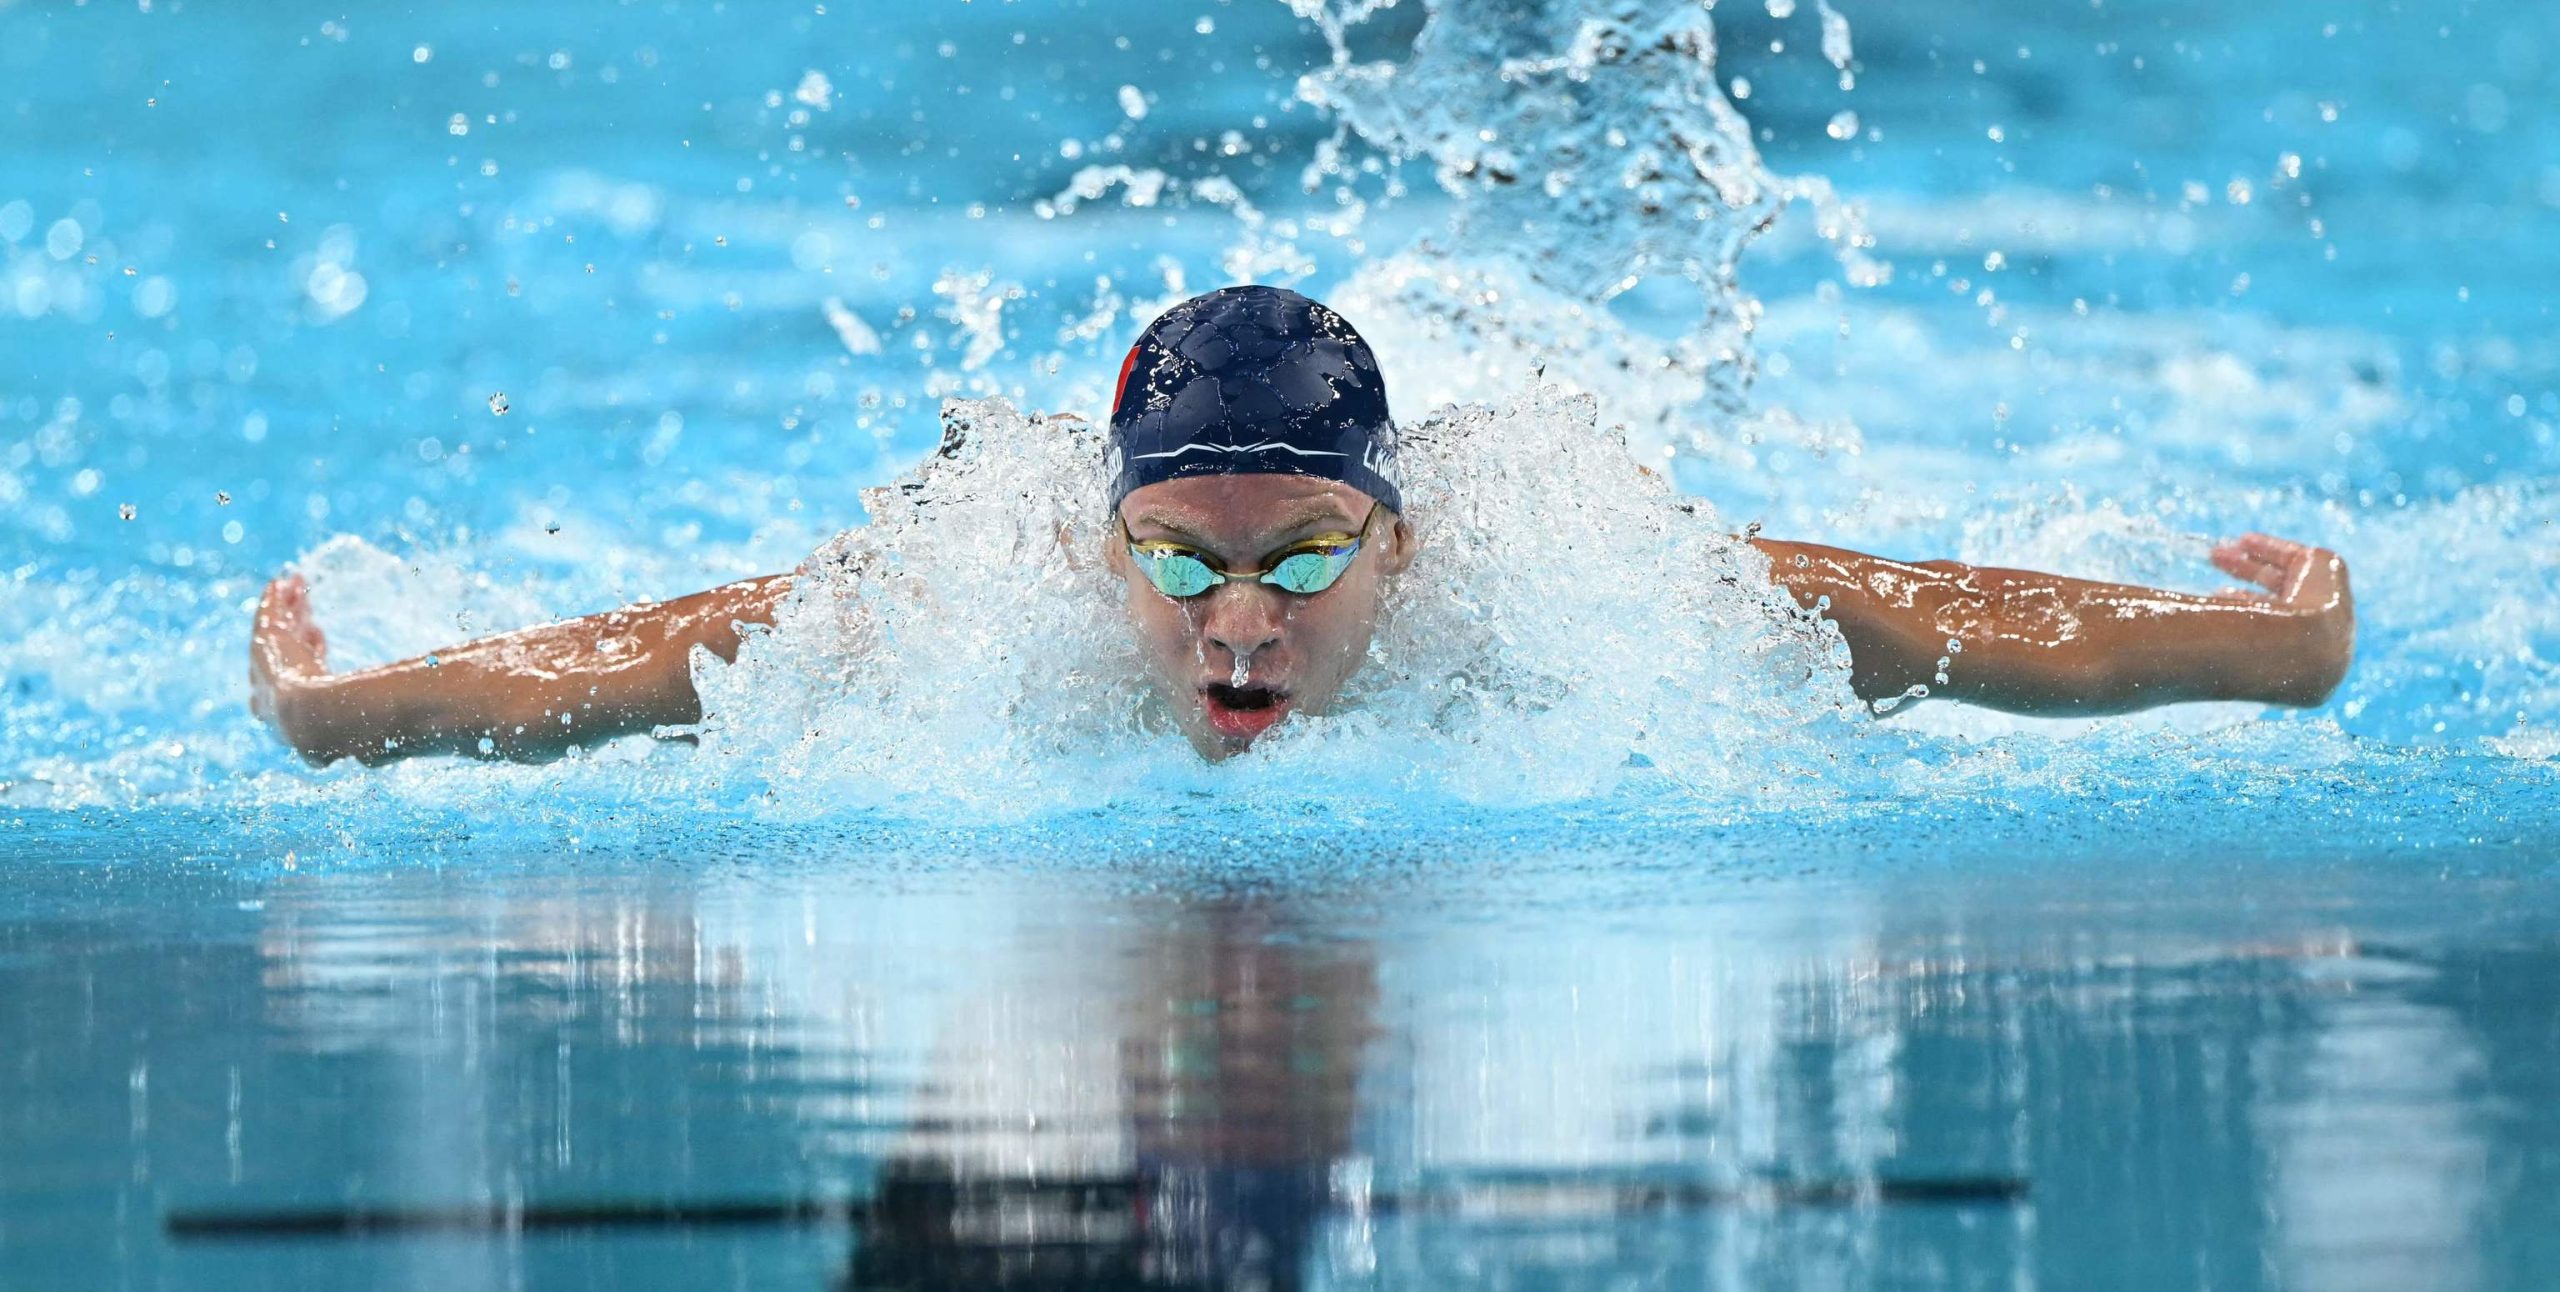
[{"x": 1242, "y": 508}]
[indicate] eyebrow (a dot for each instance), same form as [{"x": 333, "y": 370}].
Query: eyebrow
[{"x": 1298, "y": 518}]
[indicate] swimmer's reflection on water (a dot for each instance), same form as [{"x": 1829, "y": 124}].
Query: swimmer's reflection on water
[
  {"x": 1237, "y": 1059},
  {"x": 1260, "y": 530},
  {"x": 1215, "y": 1146},
  {"x": 1178, "y": 1106}
]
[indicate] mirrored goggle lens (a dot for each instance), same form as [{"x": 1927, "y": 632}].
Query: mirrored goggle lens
[
  {"x": 1176, "y": 574},
  {"x": 1308, "y": 573}
]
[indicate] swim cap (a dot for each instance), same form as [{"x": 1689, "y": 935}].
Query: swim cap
[{"x": 1252, "y": 380}]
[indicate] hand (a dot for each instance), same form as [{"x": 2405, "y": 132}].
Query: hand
[
  {"x": 2306, "y": 584},
  {"x": 288, "y": 662}
]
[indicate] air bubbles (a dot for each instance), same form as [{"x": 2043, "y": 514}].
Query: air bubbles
[
  {"x": 1741, "y": 87},
  {"x": 815, "y": 90},
  {"x": 422, "y": 54},
  {"x": 2238, "y": 191},
  {"x": 1204, "y": 25},
  {"x": 1835, "y": 40},
  {"x": 1843, "y": 125},
  {"x": 458, "y": 124},
  {"x": 126, "y": 511},
  {"x": 1133, "y": 103},
  {"x": 498, "y": 404},
  {"x": 329, "y": 277},
  {"x": 63, "y": 238},
  {"x": 154, "y": 296}
]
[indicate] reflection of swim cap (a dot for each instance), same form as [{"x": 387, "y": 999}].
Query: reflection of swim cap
[{"x": 1247, "y": 381}]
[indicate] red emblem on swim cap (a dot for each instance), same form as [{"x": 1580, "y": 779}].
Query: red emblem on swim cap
[{"x": 1122, "y": 389}]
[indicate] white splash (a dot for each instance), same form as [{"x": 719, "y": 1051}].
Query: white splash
[
  {"x": 856, "y": 335},
  {"x": 973, "y": 618}
]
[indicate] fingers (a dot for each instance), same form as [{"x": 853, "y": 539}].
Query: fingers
[
  {"x": 286, "y": 596},
  {"x": 2298, "y": 574},
  {"x": 2275, "y": 564},
  {"x": 285, "y": 641},
  {"x": 2241, "y": 563},
  {"x": 2279, "y": 552}
]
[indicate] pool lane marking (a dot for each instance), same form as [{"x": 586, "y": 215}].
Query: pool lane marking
[
  {"x": 320, "y": 1222},
  {"x": 1596, "y": 1199}
]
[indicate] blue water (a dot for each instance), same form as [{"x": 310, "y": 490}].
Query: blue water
[{"x": 2215, "y": 997}]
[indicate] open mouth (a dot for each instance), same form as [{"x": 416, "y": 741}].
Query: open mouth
[{"x": 1242, "y": 712}]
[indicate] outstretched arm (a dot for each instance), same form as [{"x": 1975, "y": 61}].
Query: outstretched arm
[
  {"x": 528, "y": 695},
  {"x": 2044, "y": 644}
]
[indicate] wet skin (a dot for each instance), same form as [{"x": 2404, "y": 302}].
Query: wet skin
[
  {"x": 1235, "y": 660},
  {"x": 2035, "y": 643},
  {"x": 1238, "y": 659}
]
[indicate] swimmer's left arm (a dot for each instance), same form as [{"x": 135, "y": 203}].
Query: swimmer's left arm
[{"x": 2046, "y": 644}]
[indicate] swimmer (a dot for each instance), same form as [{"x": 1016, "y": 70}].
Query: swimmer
[{"x": 1260, "y": 530}]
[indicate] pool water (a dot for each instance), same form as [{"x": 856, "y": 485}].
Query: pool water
[{"x": 2204, "y": 997}]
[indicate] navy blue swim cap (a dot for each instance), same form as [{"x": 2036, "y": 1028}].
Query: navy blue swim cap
[{"x": 1252, "y": 381}]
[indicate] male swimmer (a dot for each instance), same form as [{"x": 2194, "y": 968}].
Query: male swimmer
[{"x": 1260, "y": 528}]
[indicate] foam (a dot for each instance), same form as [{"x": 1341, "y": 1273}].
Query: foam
[
  {"x": 1568, "y": 613},
  {"x": 1574, "y": 628}
]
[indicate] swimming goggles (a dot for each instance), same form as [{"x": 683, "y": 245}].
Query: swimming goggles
[{"x": 1304, "y": 568}]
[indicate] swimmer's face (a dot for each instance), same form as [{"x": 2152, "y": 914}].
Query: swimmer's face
[{"x": 1296, "y": 650}]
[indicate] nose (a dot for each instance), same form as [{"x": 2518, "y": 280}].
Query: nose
[{"x": 1243, "y": 617}]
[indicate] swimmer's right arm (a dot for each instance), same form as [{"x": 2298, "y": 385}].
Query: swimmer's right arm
[{"x": 529, "y": 696}]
